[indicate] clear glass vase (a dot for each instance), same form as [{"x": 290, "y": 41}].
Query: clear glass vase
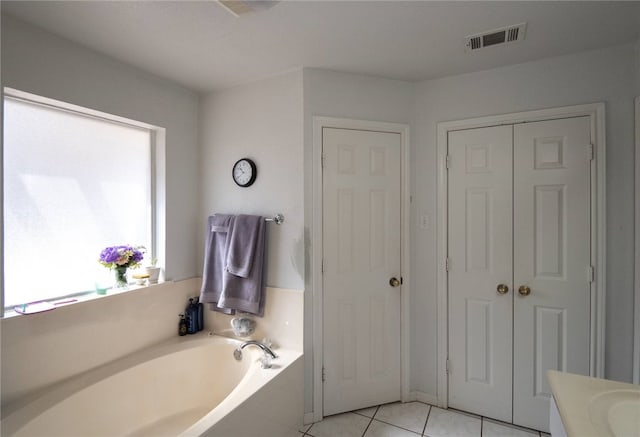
[{"x": 121, "y": 278}]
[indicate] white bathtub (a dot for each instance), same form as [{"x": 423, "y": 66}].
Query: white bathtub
[{"x": 190, "y": 386}]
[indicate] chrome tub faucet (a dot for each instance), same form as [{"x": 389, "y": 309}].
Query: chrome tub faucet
[{"x": 268, "y": 353}]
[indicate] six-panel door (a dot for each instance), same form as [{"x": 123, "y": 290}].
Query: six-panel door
[
  {"x": 552, "y": 256},
  {"x": 519, "y": 216},
  {"x": 480, "y": 244},
  {"x": 361, "y": 254}
]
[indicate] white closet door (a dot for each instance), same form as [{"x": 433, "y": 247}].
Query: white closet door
[
  {"x": 552, "y": 254},
  {"x": 361, "y": 244},
  {"x": 480, "y": 254}
]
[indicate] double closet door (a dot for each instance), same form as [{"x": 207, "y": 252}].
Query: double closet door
[{"x": 519, "y": 249}]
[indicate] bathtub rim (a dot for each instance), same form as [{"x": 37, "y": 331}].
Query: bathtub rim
[
  {"x": 18, "y": 414},
  {"x": 256, "y": 379}
]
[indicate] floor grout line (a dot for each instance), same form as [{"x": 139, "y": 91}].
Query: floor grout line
[
  {"x": 369, "y": 424},
  {"x": 370, "y": 420},
  {"x": 426, "y": 422},
  {"x": 424, "y": 428},
  {"x": 398, "y": 426}
]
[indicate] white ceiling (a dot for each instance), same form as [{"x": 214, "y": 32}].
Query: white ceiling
[{"x": 200, "y": 45}]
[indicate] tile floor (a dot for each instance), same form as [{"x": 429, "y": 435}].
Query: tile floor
[{"x": 410, "y": 420}]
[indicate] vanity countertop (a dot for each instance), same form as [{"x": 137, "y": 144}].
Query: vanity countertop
[{"x": 595, "y": 407}]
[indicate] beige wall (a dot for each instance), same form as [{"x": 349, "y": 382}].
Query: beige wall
[
  {"x": 596, "y": 76},
  {"x": 41, "y": 349},
  {"x": 637, "y": 73},
  {"x": 262, "y": 121},
  {"x": 271, "y": 122},
  {"x": 603, "y": 75},
  {"x": 333, "y": 94},
  {"x": 40, "y": 63}
]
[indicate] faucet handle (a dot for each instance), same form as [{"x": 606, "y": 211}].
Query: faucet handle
[
  {"x": 237, "y": 354},
  {"x": 265, "y": 361}
]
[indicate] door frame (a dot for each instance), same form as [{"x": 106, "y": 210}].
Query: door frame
[
  {"x": 636, "y": 318},
  {"x": 596, "y": 112},
  {"x": 320, "y": 123}
]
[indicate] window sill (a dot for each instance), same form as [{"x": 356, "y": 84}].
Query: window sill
[{"x": 86, "y": 297}]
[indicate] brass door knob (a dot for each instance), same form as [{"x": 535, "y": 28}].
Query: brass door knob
[
  {"x": 524, "y": 290},
  {"x": 502, "y": 288},
  {"x": 394, "y": 282}
]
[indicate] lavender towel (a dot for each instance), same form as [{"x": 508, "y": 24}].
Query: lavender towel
[
  {"x": 243, "y": 287},
  {"x": 215, "y": 255}
]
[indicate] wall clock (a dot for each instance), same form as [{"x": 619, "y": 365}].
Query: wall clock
[{"x": 244, "y": 172}]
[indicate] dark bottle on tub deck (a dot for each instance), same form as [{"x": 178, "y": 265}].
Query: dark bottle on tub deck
[
  {"x": 182, "y": 326},
  {"x": 200, "y": 311},
  {"x": 192, "y": 317}
]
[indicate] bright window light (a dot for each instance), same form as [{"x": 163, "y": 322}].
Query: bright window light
[{"x": 73, "y": 184}]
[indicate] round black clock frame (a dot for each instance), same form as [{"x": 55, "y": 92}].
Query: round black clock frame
[{"x": 244, "y": 172}]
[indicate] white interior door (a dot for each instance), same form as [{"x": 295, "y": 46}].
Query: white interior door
[
  {"x": 480, "y": 260},
  {"x": 552, "y": 253},
  {"x": 519, "y": 215},
  {"x": 361, "y": 253}
]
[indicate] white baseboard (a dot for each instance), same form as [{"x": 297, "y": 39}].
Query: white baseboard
[
  {"x": 308, "y": 418},
  {"x": 412, "y": 396},
  {"x": 423, "y": 397}
]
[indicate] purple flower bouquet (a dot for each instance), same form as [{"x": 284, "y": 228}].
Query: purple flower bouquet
[{"x": 122, "y": 256}]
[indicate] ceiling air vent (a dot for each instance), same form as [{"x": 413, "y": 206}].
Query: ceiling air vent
[
  {"x": 241, "y": 7},
  {"x": 494, "y": 37}
]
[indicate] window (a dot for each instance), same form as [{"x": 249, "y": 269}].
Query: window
[{"x": 75, "y": 182}]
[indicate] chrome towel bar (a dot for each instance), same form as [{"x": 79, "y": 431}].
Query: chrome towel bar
[{"x": 278, "y": 219}]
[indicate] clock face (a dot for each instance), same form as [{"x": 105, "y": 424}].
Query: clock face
[{"x": 244, "y": 172}]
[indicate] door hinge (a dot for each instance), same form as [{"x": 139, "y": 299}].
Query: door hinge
[
  {"x": 448, "y": 366},
  {"x": 322, "y": 266},
  {"x": 590, "y": 153},
  {"x": 322, "y": 160},
  {"x": 447, "y": 264},
  {"x": 448, "y": 161},
  {"x": 324, "y": 374},
  {"x": 591, "y": 273}
]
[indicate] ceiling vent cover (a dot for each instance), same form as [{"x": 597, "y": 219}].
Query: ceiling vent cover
[
  {"x": 242, "y": 7},
  {"x": 504, "y": 35}
]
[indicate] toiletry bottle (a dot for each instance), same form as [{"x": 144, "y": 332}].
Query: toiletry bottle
[
  {"x": 182, "y": 326},
  {"x": 200, "y": 311},
  {"x": 192, "y": 317}
]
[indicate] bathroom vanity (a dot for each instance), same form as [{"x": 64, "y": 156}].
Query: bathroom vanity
[{"x": 585, "y": 406}]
